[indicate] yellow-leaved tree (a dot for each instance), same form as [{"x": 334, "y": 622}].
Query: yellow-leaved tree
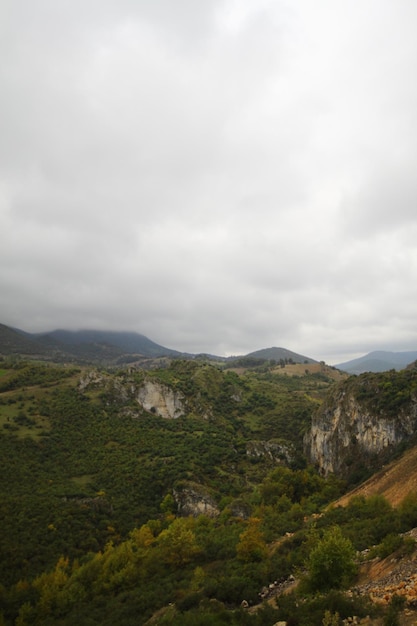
[
  {"x": 252, "y": 545},
  {"x": 177, "y": 543}
]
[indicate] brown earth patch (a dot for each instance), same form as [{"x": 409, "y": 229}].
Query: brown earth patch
[
  {"x": 301, "y": 369},
  {"x": 395, "y": 481}
]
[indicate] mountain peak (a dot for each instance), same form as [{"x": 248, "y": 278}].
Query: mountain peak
[
  {"x": 378, "y": 361},
  {"x": 280, "y": 353}
]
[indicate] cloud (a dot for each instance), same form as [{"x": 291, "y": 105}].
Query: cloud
[{"x": 221, "y": 177}]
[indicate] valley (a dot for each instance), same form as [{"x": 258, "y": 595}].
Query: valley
[{"x": 174, "y": 494}]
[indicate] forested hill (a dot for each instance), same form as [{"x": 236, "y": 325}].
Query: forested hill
[
  {"x": 172, "y": 495},
  {"x": 106, "y": 348},
  {"x": 85, "y": 346},
  {"x": 280, "y": 354},
  {"x": 16, "y": 342}
]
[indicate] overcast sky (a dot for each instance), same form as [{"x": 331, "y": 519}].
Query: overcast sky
[{"x": 220, "y": 176}]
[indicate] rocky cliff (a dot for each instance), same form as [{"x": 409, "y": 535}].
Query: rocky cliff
[
  {"x": 151, "y": 395},
  {"x": 195, "y": 500},
  {"x": 160, "y": 399},
  {"x": 362, "y": 421}
]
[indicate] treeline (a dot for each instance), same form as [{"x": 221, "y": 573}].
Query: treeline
[
  {"x": 385, "y": 393},
  {"x": 22, "y": 374},
  {"x": 259, "y": 363}
]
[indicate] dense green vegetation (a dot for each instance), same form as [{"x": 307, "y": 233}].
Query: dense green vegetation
[
  {"x": 90, "y": 481},
  {"x": 385, "y": 393}
]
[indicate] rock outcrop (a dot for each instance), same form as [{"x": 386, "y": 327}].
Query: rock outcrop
[
  {"x": 161, "y": 400},
  {"x": 151, "y": 395},
  {"x": 195, "y": 500},
  {"x": 92, "y": 378},
  {"x": 361, "y": 420},
  {"x": 277, "y": 452},
  {"x": 111, "y": 385},
  {"x": 381, "y": 579}
]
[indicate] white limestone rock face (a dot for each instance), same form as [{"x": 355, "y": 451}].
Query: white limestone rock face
[
  {"x": 195, "y": 500},
  {"x": 345, "y": 433},
  {"x": 161, "y": 400},
  {"x": 151, "y": 395}
]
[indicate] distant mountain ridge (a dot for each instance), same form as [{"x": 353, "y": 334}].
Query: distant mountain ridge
[
  {"x": 85, "y": 345},
  {"x": 128, "y": 342},
  {"x": 378, "y": 361},
  {"x": 112, "y": 346},
  {"x": 118, "y": 347}
]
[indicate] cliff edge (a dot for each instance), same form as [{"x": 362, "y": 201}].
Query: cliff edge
[{"x": 362, "y": 422}]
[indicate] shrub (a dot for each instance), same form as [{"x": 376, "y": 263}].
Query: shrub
[{"x": 331, "y": 563}]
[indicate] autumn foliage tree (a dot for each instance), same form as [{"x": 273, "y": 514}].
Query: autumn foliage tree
[
  {"x": 178, "y": 543},
  {"x": 252, "y": 546}
]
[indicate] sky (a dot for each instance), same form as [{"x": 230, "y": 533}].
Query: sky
[{"x": 220, "y": 176}]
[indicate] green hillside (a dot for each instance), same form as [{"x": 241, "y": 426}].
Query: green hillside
[
  {"x": 18, "y": 343},
  {"x": 112, "y": 514},
  {"x": 82, "y": 347},
  {"x": 77, "y": 342}
]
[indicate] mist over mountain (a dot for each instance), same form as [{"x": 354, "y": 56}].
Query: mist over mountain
[
  {"x": 85, "y": 345},
  {"x": 129, "y": 342},
  {"x": 97, "y": 345}
]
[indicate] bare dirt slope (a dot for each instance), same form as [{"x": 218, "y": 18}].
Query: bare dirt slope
[
  {"x": 383, "y": 578},
  {"x": 300, "y": 369},
  {"x": 394, "y": 481}
]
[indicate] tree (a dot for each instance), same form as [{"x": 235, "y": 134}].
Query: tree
[
  {"x": 252, "y": 546},
  {"x": 142, "y": 537},
  {"x": 331, "y": 563},
  {"x": 50, "y": 586},
  {"x": 167, "y": 505},
  {"x": 178, "y": 543}
]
